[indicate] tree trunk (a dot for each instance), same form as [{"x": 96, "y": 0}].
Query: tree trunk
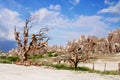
[
  {"x": 76, "y": 65},
  {"x": 25, "y": 56}
]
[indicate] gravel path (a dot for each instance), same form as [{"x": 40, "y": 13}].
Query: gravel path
[{"x": 15, "y": 72}]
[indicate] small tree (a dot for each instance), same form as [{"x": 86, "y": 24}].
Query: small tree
[
  {"x": 30, "y": 43},
  {"x": 75, "y": 54}
]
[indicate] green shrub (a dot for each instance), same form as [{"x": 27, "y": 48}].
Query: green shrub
[
  {"x": 13, "y": 59},
  {"x": 2, "y": 57},
  {"x": 55, "y": 55},
  {"x": 38, "y": 56},
  {"x": 7, "y": 62},
  {"x": 52, "y": 54},
  {"x": 8, "y": 59}
]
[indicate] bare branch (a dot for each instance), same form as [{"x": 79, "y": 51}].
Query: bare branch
[
  {"x": 37, "y": 41},
  {"x": 15, "y": 28}
]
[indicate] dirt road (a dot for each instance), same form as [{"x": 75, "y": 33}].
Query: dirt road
[{"x": 16, "y": 72}]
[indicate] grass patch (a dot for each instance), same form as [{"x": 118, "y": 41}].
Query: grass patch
[
  {"x": 63, "y": 67},
  {"x": 8, "y": 59},
  {"x": 35, "y": 57},
  {"x": 13, "y": 58},
  {"x": 113, "y": 72},
  {"x": 39, "y": 56}
]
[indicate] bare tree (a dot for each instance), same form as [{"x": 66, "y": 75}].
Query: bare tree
[
  {"x": 75, "y": 54},
  {"x": 30, "y": 43}
]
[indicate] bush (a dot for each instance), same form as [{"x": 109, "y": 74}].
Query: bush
[
  {"x": 52, "y": 54},
  {"x": 2, "y": 57},
  {"x": 13, "y": 59},
  {"x": 6, "y": 62},
  {"x": 35, "y": 56},
  {"x": 8, "y": 59}
]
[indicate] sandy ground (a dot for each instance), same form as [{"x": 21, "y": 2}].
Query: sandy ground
[{"x": 16, "y": 72}]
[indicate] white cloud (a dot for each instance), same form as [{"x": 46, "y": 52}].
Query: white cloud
[
  {"x": 65, "y": 28},
  {"x": 55, "y": 7},
  {"x": 74, "y": 2},
  {"x": 8, "y": 20},
  {"x": 56, "y": 19},
  {"x": 112, "y": 9},
  {"x": 115, "y": 19},
  {"x": 51, "y": 18},
  {"x": 108, "y": 2}
]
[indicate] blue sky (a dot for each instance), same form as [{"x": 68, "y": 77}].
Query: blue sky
[{"x": 68, "y": 18}]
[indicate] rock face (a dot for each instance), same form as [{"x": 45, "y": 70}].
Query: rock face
[
  {"x": 114, "y": 41},
  {"x": 12, "y": 52},
  {"x": 93, "y": 44}
]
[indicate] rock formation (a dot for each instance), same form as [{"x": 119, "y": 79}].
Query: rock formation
[{"x": 93, "y": 44}]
